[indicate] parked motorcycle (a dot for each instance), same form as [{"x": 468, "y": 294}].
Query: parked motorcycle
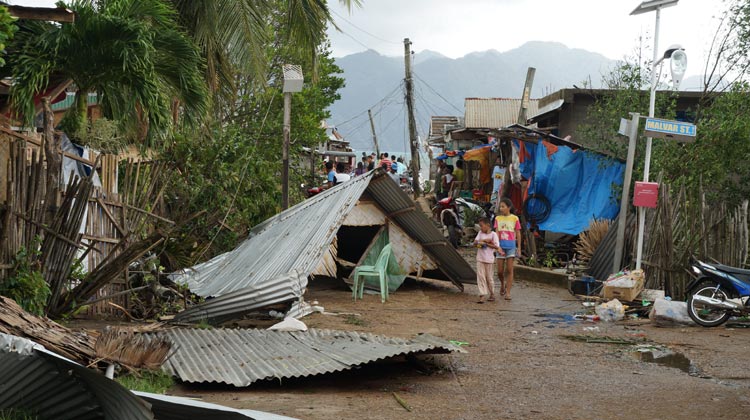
[
  {"x": 452, "y": 214},
  {"x": 718, "y": 293}
]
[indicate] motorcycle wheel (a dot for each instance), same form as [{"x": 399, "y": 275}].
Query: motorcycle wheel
[{"x": 703, "y": 314}]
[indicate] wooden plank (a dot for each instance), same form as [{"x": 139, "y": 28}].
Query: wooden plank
[
  {"x": 149, "y": 213},
  {"x": 18, "y": 135},
  {"x": 102, "y": 239},
  {"x": 109, "y": 215},
  {"x": 79, "y": 159}
]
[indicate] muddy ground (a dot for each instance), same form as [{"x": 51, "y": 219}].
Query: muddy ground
[{"x": 519, "y": 364}]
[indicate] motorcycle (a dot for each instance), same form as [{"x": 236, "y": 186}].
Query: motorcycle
[
  {"x": 452, "y": 214},
  {"x": 718, "y": 293}
]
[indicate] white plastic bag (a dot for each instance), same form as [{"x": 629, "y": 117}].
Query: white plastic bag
[
  {"x": 611, "y": 311},
  {"x": 289, "y": 324}
]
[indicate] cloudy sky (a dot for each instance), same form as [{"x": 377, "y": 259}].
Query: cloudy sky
[{"x": 455, "y": 28}]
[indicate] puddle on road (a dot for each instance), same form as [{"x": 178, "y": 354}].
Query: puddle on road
[{"x": 666, "y": 357}]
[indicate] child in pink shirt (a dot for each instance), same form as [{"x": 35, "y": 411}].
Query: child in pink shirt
[{"x": 486, "y": 243}]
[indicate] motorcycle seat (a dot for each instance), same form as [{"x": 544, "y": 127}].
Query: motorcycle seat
[{"x": 740, "y": 273}]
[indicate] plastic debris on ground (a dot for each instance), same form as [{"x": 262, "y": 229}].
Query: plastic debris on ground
[
  {"x": 669, "y": 313},
  {"x": 611, "y": 311},
  {"x": 289, "y": 324}
]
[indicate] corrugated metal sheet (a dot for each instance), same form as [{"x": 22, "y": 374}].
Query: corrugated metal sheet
[
  {"x": 35, "y": 379},
  {"x": 600, "y": 266},
  {"x": 438, "y": 124},
  {"x": 393, "y": 201},
  {"x": 240, "y": 357},
  {"x": 293, "y": 240},
  {"x": 167, "y": 407},
  {"x": 495, "y": 112},
  {"x": 235, "y": 304},
  {"x": 297, "y": 240}
]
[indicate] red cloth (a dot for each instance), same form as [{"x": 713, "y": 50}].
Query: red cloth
[{"x": 551, "y": 148}]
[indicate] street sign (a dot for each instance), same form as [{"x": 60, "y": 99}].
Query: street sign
[{"x": 667, "y": 129}]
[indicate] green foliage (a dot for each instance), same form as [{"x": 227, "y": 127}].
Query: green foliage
[
  {"x": 155, "y": 382},
  {"x": 355, "y": 320},
  {"x": 17, "y": 414},
  {"x": 131, "y": 52},
  {"x": 7, "y": 29},
  {"x": 234, "y": 172},
  {"x": 550, "y": 260},
  {"x": 720, "y": 157},
  {"x": 27, "y": 286}
]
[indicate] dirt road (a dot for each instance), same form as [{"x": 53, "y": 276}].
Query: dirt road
[{"x": 519, "y": 364}]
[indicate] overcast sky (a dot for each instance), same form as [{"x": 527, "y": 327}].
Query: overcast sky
[{"x": 455, "y": 28}]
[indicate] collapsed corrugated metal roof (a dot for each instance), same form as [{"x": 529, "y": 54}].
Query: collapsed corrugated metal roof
[
  {"x": 276, "y": 290},
  {"x": 494, "y": 112},
  {"x": 36, "y": 380},
  {"x": 166, "y": 407},
  {"x": 240, "y": 357},
  {"x": 273, "y": 264}
]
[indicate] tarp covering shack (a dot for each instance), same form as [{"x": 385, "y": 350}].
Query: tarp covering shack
[
  {"x": 326, "y": 235},
  {"x": 579, "y": 184}
]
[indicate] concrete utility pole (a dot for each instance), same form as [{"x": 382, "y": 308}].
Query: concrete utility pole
[
  {"x": 285, "y": 151},
  {"x": 374, "y": 136},
  {"x": 526, "y": 97},
  {"x": 412, "y": 122}
]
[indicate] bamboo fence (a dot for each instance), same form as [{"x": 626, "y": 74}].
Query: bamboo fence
[
  {"x": 685, "y": 225},
  {"x": 89, "y": 224}
]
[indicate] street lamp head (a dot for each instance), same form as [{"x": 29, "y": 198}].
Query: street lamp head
[
  {"x": 651, "y": 5},
  {"x": 678, "y": 65},
  {"x": 672, "y": 48}
]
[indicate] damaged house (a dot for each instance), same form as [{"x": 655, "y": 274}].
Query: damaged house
[{"x": 327, "y": 235}]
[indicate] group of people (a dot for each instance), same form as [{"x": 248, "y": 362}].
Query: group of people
[
  {"x": 447, "y": 176},
  {"x": 337, "y": 173},
  {"x": 498, "y": 241}
]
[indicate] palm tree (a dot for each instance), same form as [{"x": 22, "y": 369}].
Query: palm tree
[
  {"x": 233, "y": 35},
  {"x": 132, "y": 53}
]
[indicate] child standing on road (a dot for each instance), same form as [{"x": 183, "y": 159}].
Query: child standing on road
[
  {"x": 486, "y": 242},
  {"x": 508, "y": 229}
]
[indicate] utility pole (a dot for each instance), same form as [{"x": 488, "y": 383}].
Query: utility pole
[
  {"x": 526, "y": 97},
  {"x": 374, "y": 136},
  {"x": 412, "y": 122},
  {"x": 285, "y": 151}
]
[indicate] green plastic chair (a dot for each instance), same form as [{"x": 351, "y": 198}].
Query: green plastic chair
[{"x": 377, "y": 270}]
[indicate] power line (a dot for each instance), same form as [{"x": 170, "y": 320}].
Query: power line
[
  {"x": 436, "y": 93},
  {"x": 364, "y": 31},
  {"x": 381, "y": 101}
]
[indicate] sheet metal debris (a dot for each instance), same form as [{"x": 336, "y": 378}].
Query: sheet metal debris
[
  {"x": 273, "y": 264},
  {"x": 241, "y": 357},
  {"x": 34, "y": 379},
  {"x": 166, "y": 407}
]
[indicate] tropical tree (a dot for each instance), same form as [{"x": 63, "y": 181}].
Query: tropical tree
[
  {"x": 132, "y": 53},
  {"x": 233, "y": 35}
]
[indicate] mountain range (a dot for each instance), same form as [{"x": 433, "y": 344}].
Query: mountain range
[{"x": 375, "y": 81}]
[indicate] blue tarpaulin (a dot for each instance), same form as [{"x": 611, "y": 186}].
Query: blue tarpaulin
[{"x": 580, "y": 185}]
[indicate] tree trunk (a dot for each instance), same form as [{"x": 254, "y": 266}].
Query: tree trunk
[{"x": 53, "y": 157}]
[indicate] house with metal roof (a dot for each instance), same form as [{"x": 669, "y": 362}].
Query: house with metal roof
[
  {"x": 562, "y": 112},
  {"x": 326, "y": 235}
]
